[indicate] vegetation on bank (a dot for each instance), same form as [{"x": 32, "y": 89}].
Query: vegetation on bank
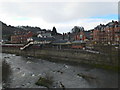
[
  {"x": 107, "y": 67},
  {"x": 46, "y": 81}
]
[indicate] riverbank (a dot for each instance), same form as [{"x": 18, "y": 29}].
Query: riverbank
[{"x": 96, "y": 59}]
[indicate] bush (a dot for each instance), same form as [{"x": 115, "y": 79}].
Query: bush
[{"x": 46, "y": 81}]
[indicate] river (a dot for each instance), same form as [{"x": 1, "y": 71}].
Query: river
[{"x": 25, "y": 71}]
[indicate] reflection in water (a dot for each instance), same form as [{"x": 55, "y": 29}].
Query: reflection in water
[{"x": 27, "y": 70}]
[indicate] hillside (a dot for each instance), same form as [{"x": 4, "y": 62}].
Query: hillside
[{"x": 8, "y": 30}]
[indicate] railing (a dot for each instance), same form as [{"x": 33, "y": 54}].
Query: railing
[{"x": 26, "y": 45}]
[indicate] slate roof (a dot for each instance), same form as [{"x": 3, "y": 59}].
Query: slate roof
[
  {"x": 61, "y": 42},
  {"x": 43, "y": 39},
  {"x": 78, "y": 41}
]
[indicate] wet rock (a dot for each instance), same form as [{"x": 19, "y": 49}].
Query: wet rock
[
  {"x": 13, "y": 55},
  {"x": 23, "y": 74},
  {"x": 62, "y": 86},
  {"x": 18, "y": 68},
  {"x": 6, "y": 57},
  {"x": 73, "y": 70},
  {"x": 39, "y": 74},
  {"x": 32, "y": 74},
  {"x": 17, "y": 87},
  {"x": 54, "y": 71},
  {"x": 87, "y": 77},
  {"x": 66, "y": 66},
  {"x": 28, "y": 83},
  {"x": 60, "y": 71},
  {"x": 29, "y": 58},
  {"x": 23, "y": 84},
  {"x": 42, "y": 61},
  {"x": 28, "y": 62},
  {"x": 13, "y": 79}
]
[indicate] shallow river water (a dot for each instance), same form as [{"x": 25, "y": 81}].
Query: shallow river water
[{"x": 25, "y": 71}]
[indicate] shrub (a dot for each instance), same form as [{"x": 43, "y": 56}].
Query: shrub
[{"x": 46, "y": 81}]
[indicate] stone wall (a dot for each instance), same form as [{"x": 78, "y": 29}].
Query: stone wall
[{"x": 106, "y": 60}]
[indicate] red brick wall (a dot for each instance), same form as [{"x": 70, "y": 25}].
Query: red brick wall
[
  {"x": 80, "y": 36},
  {"x": 21, "y": 38},
  {"x": 110, "y": 34}
]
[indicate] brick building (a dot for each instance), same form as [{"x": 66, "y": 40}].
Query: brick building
[
  {"x": 106, "y": 34},
  {"x": 82, "y": 36},
  {"x": 21, "y": 37}
]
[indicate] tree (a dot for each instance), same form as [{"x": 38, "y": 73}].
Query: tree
[
  {"x": 63, "y": 36},
  {"x": 77, "y": 29},
  {"x": 54, "y": 31}
]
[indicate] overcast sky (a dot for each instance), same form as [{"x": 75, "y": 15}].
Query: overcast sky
[{"x": 63, "y": 15}]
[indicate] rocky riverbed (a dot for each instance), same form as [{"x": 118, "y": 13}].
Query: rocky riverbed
[{"x": 25, "y": 72}]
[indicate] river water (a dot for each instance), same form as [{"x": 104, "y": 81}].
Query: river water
[{"x": 25, "y": 71}]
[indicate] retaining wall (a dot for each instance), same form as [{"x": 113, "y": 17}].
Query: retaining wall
[{"x": 106, "y": 60}]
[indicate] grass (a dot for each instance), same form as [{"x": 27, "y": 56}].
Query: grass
[{"x": 107, "y": 67}]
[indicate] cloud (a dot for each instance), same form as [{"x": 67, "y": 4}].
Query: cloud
[
  {"x": 59, "y": 1},
  {"x": 63, "y": 15},
  {"x": 88, "y": 24},
  {"x": 58, "y": 12}
]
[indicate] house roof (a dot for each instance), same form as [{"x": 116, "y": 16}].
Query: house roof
[
  {"x": 43, "y": 39},
  {"x": 58, "y": 37},
  {"x": 78, "y": 41},
  {"x": 61, "y": 42},
  {"x": 99, "y": 27}
]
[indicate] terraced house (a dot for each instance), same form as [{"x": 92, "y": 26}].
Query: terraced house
[
  {"x": 21, "y": 37},
  {"x": 107, "y": 34}
]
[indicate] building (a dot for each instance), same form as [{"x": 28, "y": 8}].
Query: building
[
  {"x": 45, "y": 34},
  {"x": 106, "y": 34},
  {"x": 82, "y": 36},
  {"x": 21, "y": 37},
  {"x": 98, "y": 34},
  {"x": 41, "y": 40},
  {"x": 61, "y": 44}
]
